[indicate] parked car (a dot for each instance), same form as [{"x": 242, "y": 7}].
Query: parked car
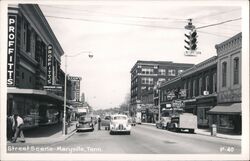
[
  {"x": 106, "y": 122},
  {"x": 85, "y": 123},
  {"x": 163, "y": 123},
  {"x": 132, "y": 121},
  {"x": 119, "y": 123}
]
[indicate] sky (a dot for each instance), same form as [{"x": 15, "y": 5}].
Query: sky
[{"x": 119, "y": 34}]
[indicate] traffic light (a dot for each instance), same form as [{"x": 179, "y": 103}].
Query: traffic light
[{"x": 192, "y": 40}]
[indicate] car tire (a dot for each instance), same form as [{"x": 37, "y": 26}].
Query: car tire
[
  {"x": 128, "y": 132},
  {"x": 111, "y": 133}
]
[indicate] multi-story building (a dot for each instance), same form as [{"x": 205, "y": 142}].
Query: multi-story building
[
  {"x": 227, "y": 114},
  {"x": 211, "y": 89},
  {"x": 34, "y": 58},
  {"x": 195, "y": 87},
  {"x": 146, "y": 74}
]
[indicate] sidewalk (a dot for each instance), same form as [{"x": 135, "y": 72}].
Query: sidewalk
[
  {"x": 48, "y": 134},
  {"x": 208, "y": 133}
]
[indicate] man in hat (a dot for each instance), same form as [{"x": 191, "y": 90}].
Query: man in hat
[{"x": 17, "y": 127}]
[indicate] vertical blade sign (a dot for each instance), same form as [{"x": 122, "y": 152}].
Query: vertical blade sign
[
  {"x": 49, "y": 64},
  {"x": 11, "y": 57}
]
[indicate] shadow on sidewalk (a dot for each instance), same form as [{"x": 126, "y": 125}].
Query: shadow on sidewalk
[{"x": 43, "y": 131}]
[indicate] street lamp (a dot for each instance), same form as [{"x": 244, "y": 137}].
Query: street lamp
[{"x": 65, "y": 87}]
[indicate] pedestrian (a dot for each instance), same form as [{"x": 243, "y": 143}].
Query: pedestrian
[
  {"x": 18, "y": 127},
  {"x": 99, "y": 123},
  {"x": 10, "y": 131}
]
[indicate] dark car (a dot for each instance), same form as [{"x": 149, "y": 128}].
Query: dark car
[
  {"x": 85, "y": 123},
  {"x": 163, "y": 123}
]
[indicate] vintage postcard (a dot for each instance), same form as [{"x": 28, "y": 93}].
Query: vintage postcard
[{"x": 124, "y": 80}]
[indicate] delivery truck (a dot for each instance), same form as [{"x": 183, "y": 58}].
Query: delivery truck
[{"x": 183, "y": 121}]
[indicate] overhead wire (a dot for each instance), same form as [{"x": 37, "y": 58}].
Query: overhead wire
[
  {"x": 110, "y": 22},
  {"x": 122, "y": 15},
  {"x": 215, "y": 24}
]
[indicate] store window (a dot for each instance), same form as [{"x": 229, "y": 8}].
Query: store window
[
  {"x": 226, "y": 121},
  {"x": 236, "y": 70},
  {"x": 224, "y": 74}
]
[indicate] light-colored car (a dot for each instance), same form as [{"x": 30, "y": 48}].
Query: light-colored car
[
  {"x": 120, "y": 123},
  {"x": 85, "y": 123}
]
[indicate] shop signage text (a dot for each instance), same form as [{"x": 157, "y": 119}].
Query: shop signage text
[
  {"x": 11, "y": 57},
  {"x": 49, "y": 64}
]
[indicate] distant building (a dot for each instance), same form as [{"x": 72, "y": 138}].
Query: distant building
[{"x": 146, "y": 74}]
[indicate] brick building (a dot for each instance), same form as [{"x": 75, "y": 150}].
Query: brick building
[
  {"x": 34, "y": 58},
  {"x": 145, "y": 75},
  {"x": 211, "y": 89},
  {"x": 198, "y": 85},
  {"x": 227, "y": 114}
]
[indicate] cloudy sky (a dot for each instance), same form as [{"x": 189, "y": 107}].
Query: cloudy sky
[{"x": 119, "y": 34}]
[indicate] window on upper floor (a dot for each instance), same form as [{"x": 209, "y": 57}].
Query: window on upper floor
[
  {"x": 236, "y": 70},
  {"x": 224, "y": 74},
  {"x": 214, "y": 82},
  {"x": 162, "y": 71},
  {"x": 147, "y": 71},
  {"x": 194, "y": 88},
  {"x": 146, "y": 80},
  {"x": 161, "y": 79},
  {"x": 200, "y": 86},
  {"x": 171, "y": 72},
  {"x": 207, "y": 83},
  {"x": 28, "y": 39}
]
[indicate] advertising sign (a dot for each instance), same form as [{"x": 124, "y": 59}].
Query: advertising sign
[
  {"x": 11, "y": 57},
  {"x": 53, "y": 88},
  {"x": 177, "y": 104},
  {"x": 49, "y": 64},
  {"x": 74, "y": 78},
  {"x": 77, "y": 91}
]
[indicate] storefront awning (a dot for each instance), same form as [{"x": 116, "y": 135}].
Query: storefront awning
[{"x": 231, "y": 109}]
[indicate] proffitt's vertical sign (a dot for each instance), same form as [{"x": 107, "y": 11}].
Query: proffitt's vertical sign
[
  {"x": 49, "y": 64},
  {"x": 11, "y": 58}
]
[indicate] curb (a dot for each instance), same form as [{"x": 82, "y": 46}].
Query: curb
[{"x": 150, "y": 124}]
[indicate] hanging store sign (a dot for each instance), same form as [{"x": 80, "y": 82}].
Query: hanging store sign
[
  {"x": 11, "y": 57},
  {"x": 53, "y": 88},
  {"x": 77, "y": 91},
  {"x": 49, "y": 64},
  {"x": 74, "y": 78}
]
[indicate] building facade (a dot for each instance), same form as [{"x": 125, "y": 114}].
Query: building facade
[
  {"x": 34, "y": 58},
  {"x": 146, "y": 74},
  {"x": 211, "y": 89},
  {"x": 195, "y": 89},
  {"x": 227, "y": 114}
]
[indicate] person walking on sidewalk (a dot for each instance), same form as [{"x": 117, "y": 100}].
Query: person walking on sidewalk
[{"x": 17, "y": 127}]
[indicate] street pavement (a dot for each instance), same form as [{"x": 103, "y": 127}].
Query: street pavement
[{"x": 143, "y": 140}]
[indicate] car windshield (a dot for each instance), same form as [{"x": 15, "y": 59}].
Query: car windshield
[
  {"x": 85, "y": 118},
  {"x": 107, "y": 118},
  {"x": 120, "y": 118}
]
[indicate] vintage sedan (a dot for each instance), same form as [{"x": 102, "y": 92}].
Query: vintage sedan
[
  {"x": 85, "y": 123},
  {"x": 163, "y": 123},
  {"x": 120, "y": 124}
]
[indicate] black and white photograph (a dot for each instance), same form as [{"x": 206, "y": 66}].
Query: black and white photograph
[{"x": 124, "y": 80}]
